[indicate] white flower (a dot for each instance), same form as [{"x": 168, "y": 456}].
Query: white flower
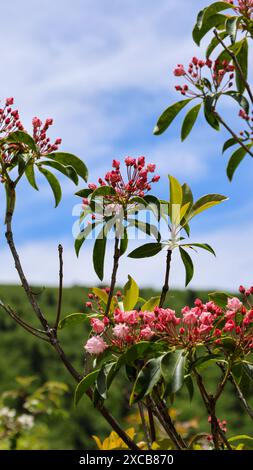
[
  {"x": 6, "y": 412},
  {"x": 26, "y": 421}
]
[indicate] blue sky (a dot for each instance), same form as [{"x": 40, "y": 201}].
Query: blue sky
[{"x": 103, "y": 70}]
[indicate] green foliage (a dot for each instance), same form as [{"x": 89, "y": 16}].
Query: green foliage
[{"x": 131, "y": 294}]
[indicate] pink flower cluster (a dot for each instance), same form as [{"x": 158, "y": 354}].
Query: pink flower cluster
[
  {"x": 243, "y": 7},
  {"x": 10, "y": 122},
  {"x": 41, "y": 138},
  {"x": 205, "y": 323},
  {"x": 194, "y": 76},
  {"x": 9, "y": 118},
  {"x": 138, "y": 181},
  {"x": 247, "y": 134}
]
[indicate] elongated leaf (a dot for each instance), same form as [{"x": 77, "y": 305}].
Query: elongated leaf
[
  {"x": 30, "y": 175},
  {"x": 23, "y": 138},
  {"x": 83, "y": 236},
  {"x": 229, "y": 143},
  {"x": 189, "y": 121},
  {"x": 206, "y": 202},
  {"x": 242, "y": 58},
  {"x": 235, "y": 160},
  {"x": 70, "y": 160},
  {"x": 220, "y": 298},
  {"x": 123, "y": 243},
  {"x": 84, "y": 385},
  {"x": 190, "y": 386},
  {"x": 168, "y": 116},
  {"x": 131, "y": 294},
  {"x": 208, "y": 22},
  {"x": 147, "y": 378},
  {"x": 84, "y": 193},
  {"x": 176, "y": 192},
  {"x": 68, "y": 171},
  {"x": 101, "y": 294},
  {"x": 204, "y": 246},
  {"x": 204, "y": 361},
  {"x": 173, "y": 368},
  {"x": 209, "y": 113},
  {"x": 53, "y": 182},
  {"x": 188, "y": 264},
  {"x": 145, "y": 227},
  {"x": 147, "y": 250},
  {"x": 150, "y": 304},
  {"x": 153, "y": 204},
  {"x": 99, "y": 255},
  {"x": 105, "y": 378},
  {"x": 241, "y": 99},
  {"x": 231, "y": 26},
  {"x": 72, "y": 319},
  {"x": 144, "y": 349}
]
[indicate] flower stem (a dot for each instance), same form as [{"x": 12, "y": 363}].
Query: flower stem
[
  {"x": 116, "y": 258},
  {"x": 165, "y": 288}
]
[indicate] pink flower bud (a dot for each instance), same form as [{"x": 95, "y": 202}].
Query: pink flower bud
[{"x": 9, "y": 101}]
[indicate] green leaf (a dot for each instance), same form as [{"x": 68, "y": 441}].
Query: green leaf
[
  {"x": 204, "y": 361},
  {"x": 30, "y": 175},
  {"x": 146, "y": 380},
  {"x": 208, "y": 22},
  {"x": 204, "y": 246},
  {"x": 241, "y": 99},
  {"x": 220, "y": 298},
  {"x": 99, "y": 255},
  {"x": 23, "y": 138},
  {"x": 188, "y": 264},
  {"x": 190, "y": 386},
  {"x": 82, "y": 236},
  {"x": 206, "y": 202},
  {"x": 144, "y": 349},
  {"x": 176, "y": 192},
  {"x": 168, "y": 116},
  {"x": 235, "y": 160},
  {"x": 231, "y": 27},
  {"x": 103, "y": 191},
  {"x": 150, "y": 304},
  {"x": 172, "y": 368},
  {"x": 72, "y": 320},
  {"x": 101, "y": 294},
  {"x": 68, "y": 171},
  {"x": 123, "y": 243},
  {"x": 209, "y": 113},
  {"x": 131, "y": 294},
  {"x": 214, "y": 43},
  {"x": 147, "y": 250},
  {"x": 229, "y": 143},
  {"x": 70, "y": 160},
  {"x": 189, "y": 121},
  {"x": 84, "y": 193},
  {"x": 145, "y": 227},
  {"x": 240, "y": 437},
  {"x": 84, "y": 385},
  {"x": 105, "y": 378},
  {"x": 53, "y": 182},
  {"x": 242, "y": 58},
  {"x": 153, "y": 204}
]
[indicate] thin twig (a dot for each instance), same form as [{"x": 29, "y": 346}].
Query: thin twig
[
  {"x": 165, "y": 288},
  {"x": 224, "y": 124},
  {"x": 58, "y": 315},
  {"x": 151, "y": 421},
  {"x": 144, "y": 425},
  {"x": 236, "y": 63},
  {"x": 116, "y": 257}
]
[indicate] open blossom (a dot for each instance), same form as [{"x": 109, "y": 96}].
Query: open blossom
[
  {"x": 147, "y": 333},
  {"x": 234, "y": 304},
  {"x": 179, "y": 71},
  {"x": 95, "y": 345},
  {"x": 121, "y": 331}
]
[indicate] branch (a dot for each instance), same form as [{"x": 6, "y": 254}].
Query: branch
[
  {"x": 224, "y": 124},
  {"x": 58, "y": 315},
  {"x": 116, "y": 258},
  {"x": 151, "y": 421},
  {"x": 165, "y": 288},
  {"x": 144, "y": 426},
  {"x": 237, "y": 65},
  {"x": 51, "y": 332}
]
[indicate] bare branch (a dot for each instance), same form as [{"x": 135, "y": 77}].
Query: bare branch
[{"x": 58, "y": 315}]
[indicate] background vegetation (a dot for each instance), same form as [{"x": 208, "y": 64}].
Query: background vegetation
[{"x": 23, "y": 355}]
